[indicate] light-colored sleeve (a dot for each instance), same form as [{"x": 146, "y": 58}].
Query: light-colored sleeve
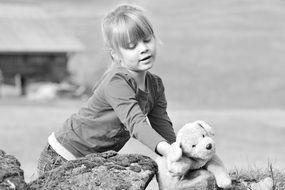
[
  {"x": 121, "y": 95},
  {"x": 159, "y": 118}
]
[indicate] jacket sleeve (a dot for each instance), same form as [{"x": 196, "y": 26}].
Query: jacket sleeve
[
  {"x": 121, "y": 95},
  {"x": 159, "y": 118}
]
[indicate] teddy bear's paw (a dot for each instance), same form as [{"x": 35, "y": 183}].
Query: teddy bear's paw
[
  {"x": 224, "y": 181},
  {"x": 180, "y": 167}
]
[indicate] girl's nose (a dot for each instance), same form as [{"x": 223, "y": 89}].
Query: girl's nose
[{"x": 143, "y": 47}]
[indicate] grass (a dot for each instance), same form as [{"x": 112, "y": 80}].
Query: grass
[
  {"x": 227, "y": 53},
  {"x": 242, "y": 178},
  {"x": 221, "y": 61},
  {"x": 245, "y": 138}
]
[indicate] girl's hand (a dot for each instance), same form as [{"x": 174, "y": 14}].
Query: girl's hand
[
  {"x": 175, "y": 153},
  {"x": 176, "y": 164},
  {"x": 171, "y": 152}
]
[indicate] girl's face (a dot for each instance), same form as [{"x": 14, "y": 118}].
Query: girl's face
[{"x": 138, "y": 56}]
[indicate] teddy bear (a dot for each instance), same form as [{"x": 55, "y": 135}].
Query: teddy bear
[{"x": 194, "y": 149}]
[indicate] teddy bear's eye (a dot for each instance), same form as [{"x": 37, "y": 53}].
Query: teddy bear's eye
[
  {"x": 193, "y": 145},
  {"x": 203, "y": 136}
]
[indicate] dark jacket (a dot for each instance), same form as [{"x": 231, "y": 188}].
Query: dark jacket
[{"x": 117, "y": 110}]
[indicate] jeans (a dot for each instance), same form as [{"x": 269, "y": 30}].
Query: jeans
[{"x": 49, "y": 160}]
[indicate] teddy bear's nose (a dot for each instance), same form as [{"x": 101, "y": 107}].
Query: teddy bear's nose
[{"x": 209, "y": 146}]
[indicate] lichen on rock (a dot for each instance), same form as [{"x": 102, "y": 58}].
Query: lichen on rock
[
  {"x": 11, "y": 175},
  {"x": 107, "y": 170}
]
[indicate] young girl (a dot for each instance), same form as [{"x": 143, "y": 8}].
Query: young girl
[{"x": 128, "y": 101}]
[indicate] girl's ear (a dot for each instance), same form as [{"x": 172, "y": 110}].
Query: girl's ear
[
  {"x": 206, "y": 127},
  {"x": 115, "y": 56}
]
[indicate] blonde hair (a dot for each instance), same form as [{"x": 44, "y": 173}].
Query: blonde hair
[{"x": 125, "y": 24}]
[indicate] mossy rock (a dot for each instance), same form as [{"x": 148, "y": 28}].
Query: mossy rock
[
  {"x": 11, "y": 174},
  {"x": 107, "y": 170}
]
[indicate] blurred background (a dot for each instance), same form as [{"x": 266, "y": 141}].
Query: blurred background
[{"x": 221, "y": 61}]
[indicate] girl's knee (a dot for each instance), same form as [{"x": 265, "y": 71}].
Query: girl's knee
[{"x": 49, "y": 160}]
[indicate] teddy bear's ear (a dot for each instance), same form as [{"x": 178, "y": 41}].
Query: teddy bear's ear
[{"x": 206, "y": 127}]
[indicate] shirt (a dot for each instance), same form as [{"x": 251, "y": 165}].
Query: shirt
[{"x": 117, "y": 110}]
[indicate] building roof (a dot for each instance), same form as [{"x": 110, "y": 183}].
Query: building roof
[{"x": 26, "y": 28}]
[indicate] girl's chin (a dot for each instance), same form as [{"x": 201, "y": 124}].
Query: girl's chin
[
  {"x": 147, "y": 66},
  {"x": 147, "y": 63}
]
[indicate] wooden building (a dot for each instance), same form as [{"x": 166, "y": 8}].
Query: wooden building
[{"x": 33, "y": 46}]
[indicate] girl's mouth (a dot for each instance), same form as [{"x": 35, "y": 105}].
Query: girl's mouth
[{"x": 146, "y": 58}]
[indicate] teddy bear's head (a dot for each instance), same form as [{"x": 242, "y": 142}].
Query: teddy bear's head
[{"x": 195, "y": 140}]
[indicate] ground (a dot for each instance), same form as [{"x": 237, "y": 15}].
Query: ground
[
  {"x": 221, "y": 61},
  {"x": 245, "y": 138}
]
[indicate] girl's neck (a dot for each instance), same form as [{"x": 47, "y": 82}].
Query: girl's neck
[{"x": 140, "y": 79}]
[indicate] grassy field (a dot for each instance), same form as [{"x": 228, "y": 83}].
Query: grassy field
[
  {"x": 245, "y": 138},
  {"x": 221, "y": 61},
  {"x": 227, "y": 53}
]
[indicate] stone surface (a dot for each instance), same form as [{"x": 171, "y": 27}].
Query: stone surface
[
  {"x": 107, "y": 170},
  {"x": 253, "y": 184},
  {"x": 265, "y": 184},
  {"x": 197, "y": 180},
  {"x": 11, "y": 175}
]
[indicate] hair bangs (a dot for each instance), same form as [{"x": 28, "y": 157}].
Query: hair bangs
[{"x": 131, "y": 30}]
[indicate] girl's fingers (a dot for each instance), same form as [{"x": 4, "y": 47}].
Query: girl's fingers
[{"x": 176, "y": 153}]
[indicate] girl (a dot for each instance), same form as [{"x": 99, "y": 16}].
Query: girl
[{"x": 128, "y": 101}]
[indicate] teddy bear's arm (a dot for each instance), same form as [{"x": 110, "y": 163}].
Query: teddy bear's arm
[
  {"x": 180, "y": 167},
  {"x": 216, "y": 166}
]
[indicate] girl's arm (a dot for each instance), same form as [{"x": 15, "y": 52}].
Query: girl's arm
[
  {"x": 120, "y": 93},
  {"x": 159, "y": 118}
]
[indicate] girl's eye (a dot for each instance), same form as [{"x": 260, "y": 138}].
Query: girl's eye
[
  {"x": 147, "y": 39},
  {"x": 131, "y": 45},
  {"x": 193, "y": 145}
]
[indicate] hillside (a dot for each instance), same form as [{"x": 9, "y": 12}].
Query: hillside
[{"x": 213, "y": 54}]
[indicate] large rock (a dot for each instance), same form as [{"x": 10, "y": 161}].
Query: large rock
[
  {"x": 11, "y": 175},
  {"x": 107, "y": 170}
]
